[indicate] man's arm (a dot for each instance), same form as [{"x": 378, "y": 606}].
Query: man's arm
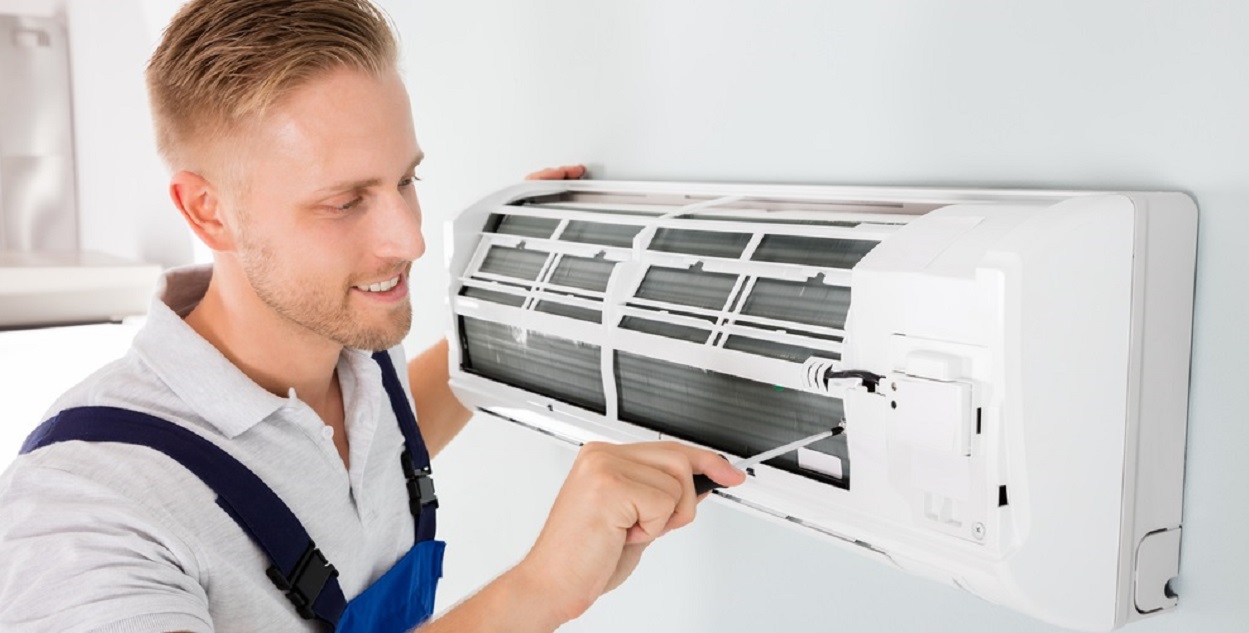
[
  {"x": 73, "y": 551},
  {"x": 616, "y": 500},
  {"x": 440, "y": 413}
]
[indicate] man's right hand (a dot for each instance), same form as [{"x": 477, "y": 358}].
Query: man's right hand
[{"x": 616, "y": 501}]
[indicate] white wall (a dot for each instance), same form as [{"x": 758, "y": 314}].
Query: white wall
[
  {"x": 123, "y": 206},
  {"x": 1116, "y": 94}
]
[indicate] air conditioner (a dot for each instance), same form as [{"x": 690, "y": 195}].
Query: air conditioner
[{"x": 1020, "y": 432}]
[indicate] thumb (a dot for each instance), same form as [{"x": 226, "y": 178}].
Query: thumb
[{"x": 718, "y": 469}]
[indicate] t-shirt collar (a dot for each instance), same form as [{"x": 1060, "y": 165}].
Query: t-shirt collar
[{"x": 192, "y": 367}]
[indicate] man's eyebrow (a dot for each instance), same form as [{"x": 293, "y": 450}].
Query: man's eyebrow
[{"x": 353, "y": 185}]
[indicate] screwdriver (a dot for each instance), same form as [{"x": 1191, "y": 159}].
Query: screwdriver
[{"x": 703, "y": 483}]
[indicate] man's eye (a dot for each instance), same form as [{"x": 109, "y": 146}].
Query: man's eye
[
  {"x": 407, "y": 181},
  {"x": 350, "y": 205}
]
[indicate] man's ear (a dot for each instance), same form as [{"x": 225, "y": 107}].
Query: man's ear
[{"x": 202, "y": 207}]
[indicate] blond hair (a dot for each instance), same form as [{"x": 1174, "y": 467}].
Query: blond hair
[{"x": 221, "y": 63}]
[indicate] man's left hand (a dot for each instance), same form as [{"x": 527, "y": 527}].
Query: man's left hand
[{"x": 567, "y": 172}]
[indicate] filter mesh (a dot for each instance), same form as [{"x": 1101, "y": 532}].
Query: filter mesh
[
  {"x": 772, "y": 349},
  {"x": 514, "y": 262},
  {"x": 570, "y": 311},
  {"x": 521, "y": 225},
  {"x": 662, "y": 328},
  {"x": 725, "y": 412},
  {"x": 582, "y": 272},
  {"x": 812, "y": 251},
  {"x": 691, "y": 287},
  {"x": 693, "y": 242},
  {"x": 810, "y": 302},
  {"x": 493, "y": 296},
  {"x": 600, "y": 233},
  {"x": 552, "y": 366}
]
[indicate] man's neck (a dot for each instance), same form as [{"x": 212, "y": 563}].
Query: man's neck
[{"x": 271, "y": 350}]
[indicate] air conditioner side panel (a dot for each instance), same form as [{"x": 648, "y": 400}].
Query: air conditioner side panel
[
  {"x": 1036, "y": 302},
  {"x": 1163, "y": 300},
  {"x": 1066, "y": 335}
]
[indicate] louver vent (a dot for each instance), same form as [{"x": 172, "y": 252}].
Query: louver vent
[{"x": 699, "y": 315}]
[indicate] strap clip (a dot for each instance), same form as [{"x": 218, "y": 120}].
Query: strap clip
[
  {"x": 421, "y": 492},
  {"x": 306, "y": 581}
]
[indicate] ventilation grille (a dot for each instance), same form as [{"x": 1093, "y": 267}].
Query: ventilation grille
[{"x": 693, "y": 319}]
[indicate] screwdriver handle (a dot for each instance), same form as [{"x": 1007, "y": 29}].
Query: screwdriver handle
[{"x": 703, "y": 484}]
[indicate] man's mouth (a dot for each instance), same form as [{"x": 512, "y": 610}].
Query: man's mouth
[{"x": 381, "y": 286}]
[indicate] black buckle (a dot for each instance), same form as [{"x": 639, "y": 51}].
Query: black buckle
[
  {"x": 420, "y": 485},
  {"x": 306, "y": 581}
]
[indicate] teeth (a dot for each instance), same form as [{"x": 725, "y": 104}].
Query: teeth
[{"x": 380, "y": 286}]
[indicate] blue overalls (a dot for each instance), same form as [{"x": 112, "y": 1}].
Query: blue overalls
[{"x": 399, "y": 601}]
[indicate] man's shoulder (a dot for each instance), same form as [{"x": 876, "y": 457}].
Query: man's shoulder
[{"x": 125, "y": 383}]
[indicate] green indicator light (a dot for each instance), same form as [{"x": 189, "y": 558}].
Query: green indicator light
[{"x": 778, "y": 387}]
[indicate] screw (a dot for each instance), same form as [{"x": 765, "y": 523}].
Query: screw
[{"x": 978, "y": 531}]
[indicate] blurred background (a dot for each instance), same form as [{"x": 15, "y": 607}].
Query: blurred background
[{"x": 1120, "y": 94}]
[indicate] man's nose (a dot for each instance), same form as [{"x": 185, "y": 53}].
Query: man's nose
[{"x": 399, "y": 228}]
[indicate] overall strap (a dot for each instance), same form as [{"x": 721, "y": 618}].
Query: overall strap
[
  {"x": 298, "y": 567},
  {"x": 422, "y": 500}
]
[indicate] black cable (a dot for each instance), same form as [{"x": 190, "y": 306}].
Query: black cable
[{"x": 868, "y": 379}]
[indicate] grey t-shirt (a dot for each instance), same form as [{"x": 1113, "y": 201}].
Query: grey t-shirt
[{"x": 112, "y": 537}]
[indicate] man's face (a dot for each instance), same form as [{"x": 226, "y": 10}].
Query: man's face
[{"x": 328, "y": 224}]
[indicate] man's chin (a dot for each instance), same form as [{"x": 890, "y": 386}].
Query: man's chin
[{"x": 378, "y": 338}]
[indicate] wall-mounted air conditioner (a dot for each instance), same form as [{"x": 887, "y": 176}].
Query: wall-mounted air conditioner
[{"x": 1024, "y": 439}]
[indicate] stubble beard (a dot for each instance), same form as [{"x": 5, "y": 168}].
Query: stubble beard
[{"x": 321, "y": 310}]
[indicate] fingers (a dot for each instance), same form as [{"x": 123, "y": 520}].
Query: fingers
[
  {"x": 669, "y": 458},
  {"x": 688, "y": 461},
  {"x": 617, "y": 499},
  {"x": 647, "y": 497},
  {"x": 566, "y": 172},
  {"x": 670, "y": 467}
]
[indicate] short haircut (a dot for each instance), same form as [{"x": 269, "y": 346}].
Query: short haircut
[{"x": 222, "y": 63}]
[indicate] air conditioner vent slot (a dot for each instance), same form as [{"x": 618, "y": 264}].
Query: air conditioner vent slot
[
  {"x": 570, "y": 311},
  {"x": 812, "y": 251},
  {"x": 518, "y": 263},
  {"x": 555, "y": 367},
  {"x": 620, "y": 235},
  {"x": 725, "y": 412},
  {"x": 773, "y": 349},
  {"x": 521, "y": 225},
  {"x": 493, "y": 296},
  {"x": 811, "y": 302},
  {"x": 706, "y": 243},
  {"x": 771, "y": 218},
  {"x": 691, "y": 287},
  {"x": 661, "y": 328},
  {"x": 582, "y": 272}
]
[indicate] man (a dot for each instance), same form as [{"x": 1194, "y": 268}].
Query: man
[{"x": 289, "y": 135}]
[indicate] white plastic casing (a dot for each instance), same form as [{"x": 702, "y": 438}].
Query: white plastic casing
[{"x": 1027, "y": 441}]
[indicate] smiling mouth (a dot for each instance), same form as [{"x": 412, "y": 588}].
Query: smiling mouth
[{"x": 381, "y": 286}]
